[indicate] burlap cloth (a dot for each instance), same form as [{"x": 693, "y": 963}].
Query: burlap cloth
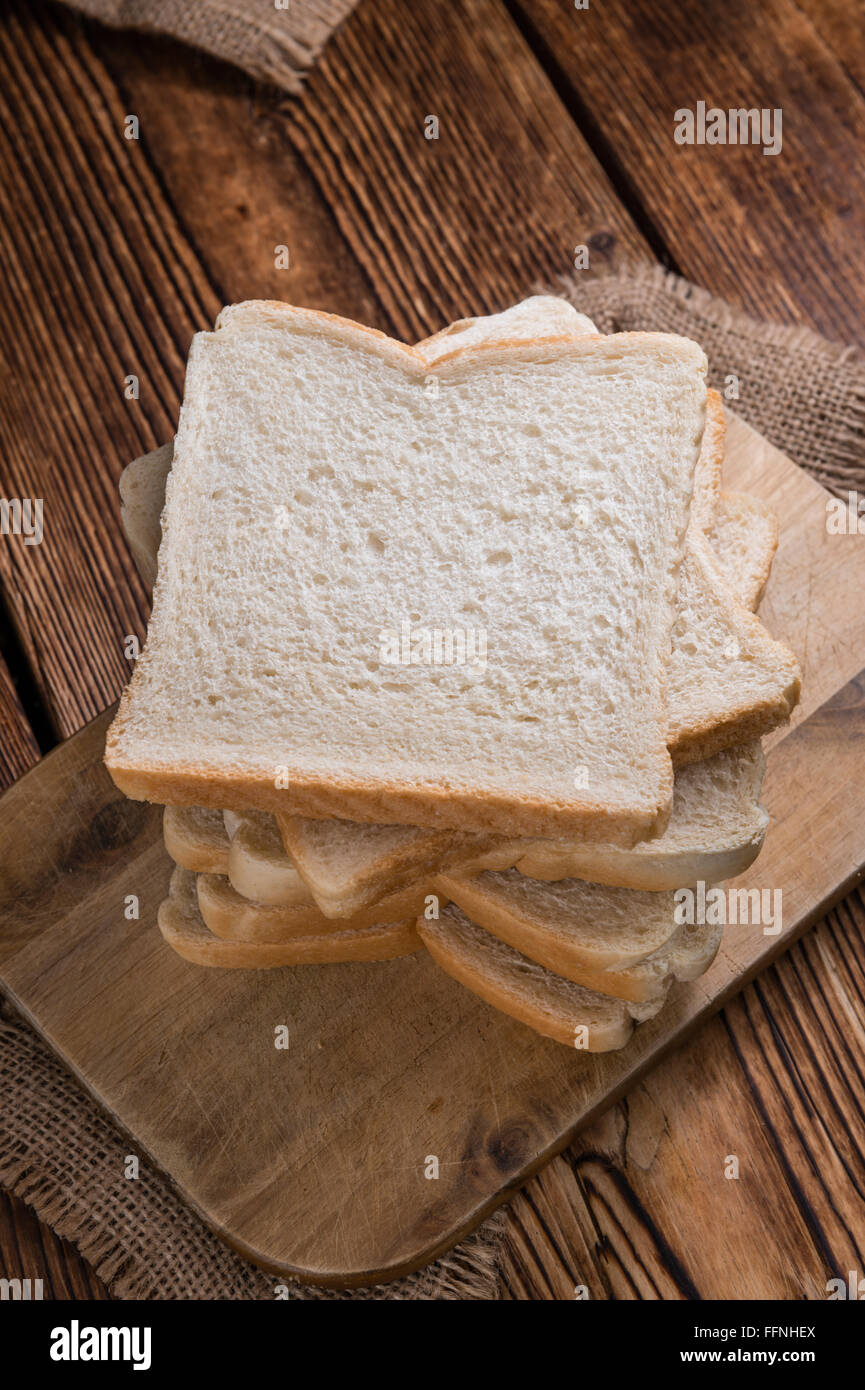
[
  {"x": 274, "y": 40},
  {"x": 60, "y": 1153}
]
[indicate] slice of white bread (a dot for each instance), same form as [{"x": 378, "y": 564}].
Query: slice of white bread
[
  {"x": 196, "y": 839},
  {"x": 582, "y": 924},
  {"x": 744, "y": 538},
  {"x": 728, "y": 681},
  {"x": 228, "y": 914},
  {"x": 521, "y": 988},
  {"x": 613, "y": 940},
  {"x": 539, "y": 316},
  {"x": 182, "y": 927},
  {"x": 259, "y": 867},
  {"x": 142, "y": 497},
  {"x": 516, "y": 441},
  {"x": 348, "y": 866}
]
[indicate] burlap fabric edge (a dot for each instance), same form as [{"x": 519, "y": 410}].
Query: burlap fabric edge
[{"x": 274, "y": 42}]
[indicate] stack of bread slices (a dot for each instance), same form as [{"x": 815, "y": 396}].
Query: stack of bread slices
[{"x": 342, "y": 785}]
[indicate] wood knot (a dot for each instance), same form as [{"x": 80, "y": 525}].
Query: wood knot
[
  {"x": 602, "y": 242},
  {"x": 508, "y": 1148}
]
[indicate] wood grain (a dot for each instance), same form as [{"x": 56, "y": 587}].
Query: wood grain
[
  {"x": 472, "y": 220},
  {"x": 647, "y": 1184},
  {"x": 780, "y": 235},
  {"x": 452, "y": 1078},
  {"x": 19, "y": 749},
  {"x": 30, "y": 1250},
  {"x": 74, "y": 597},
  {"x": 226, "y": 165},
  {"x": 839, "y": 25},
  {"x": 640, "y": 1206}
]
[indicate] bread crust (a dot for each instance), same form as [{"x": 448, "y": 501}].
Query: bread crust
[
  {"x": 542, "y": 1006},
  {"x": 229, "y": 915},
  {"x": 391, "y": 803},
  {"x": 181, "y": 925},
  {"x": 203, "y": 948}
]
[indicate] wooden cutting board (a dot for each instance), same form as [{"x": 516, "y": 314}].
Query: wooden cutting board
[{"x": 313, "y": 1160}]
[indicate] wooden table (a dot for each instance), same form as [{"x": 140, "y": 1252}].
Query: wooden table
[{"x": 555, "y": 130}]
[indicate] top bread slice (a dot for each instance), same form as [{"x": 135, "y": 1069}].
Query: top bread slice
[
  {"x": 729, "y": 682},
  {"x": 452, "y": 496}
]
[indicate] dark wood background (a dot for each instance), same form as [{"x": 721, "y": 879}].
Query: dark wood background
[{"x": 555, "y": 131}]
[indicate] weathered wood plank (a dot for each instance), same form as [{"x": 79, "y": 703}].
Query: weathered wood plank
[
  {"x": 82, "y": 277},
  {"x": 781, "y": 235},
  {"x": 839, "y": 24},
  {"x": 469, "y": 221},
  {"x": 19, "y": 749},
  {"x": 226, "y": 164}
]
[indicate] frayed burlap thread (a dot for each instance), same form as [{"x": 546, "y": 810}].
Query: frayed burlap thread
[{"x": 275, "y": 43}]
